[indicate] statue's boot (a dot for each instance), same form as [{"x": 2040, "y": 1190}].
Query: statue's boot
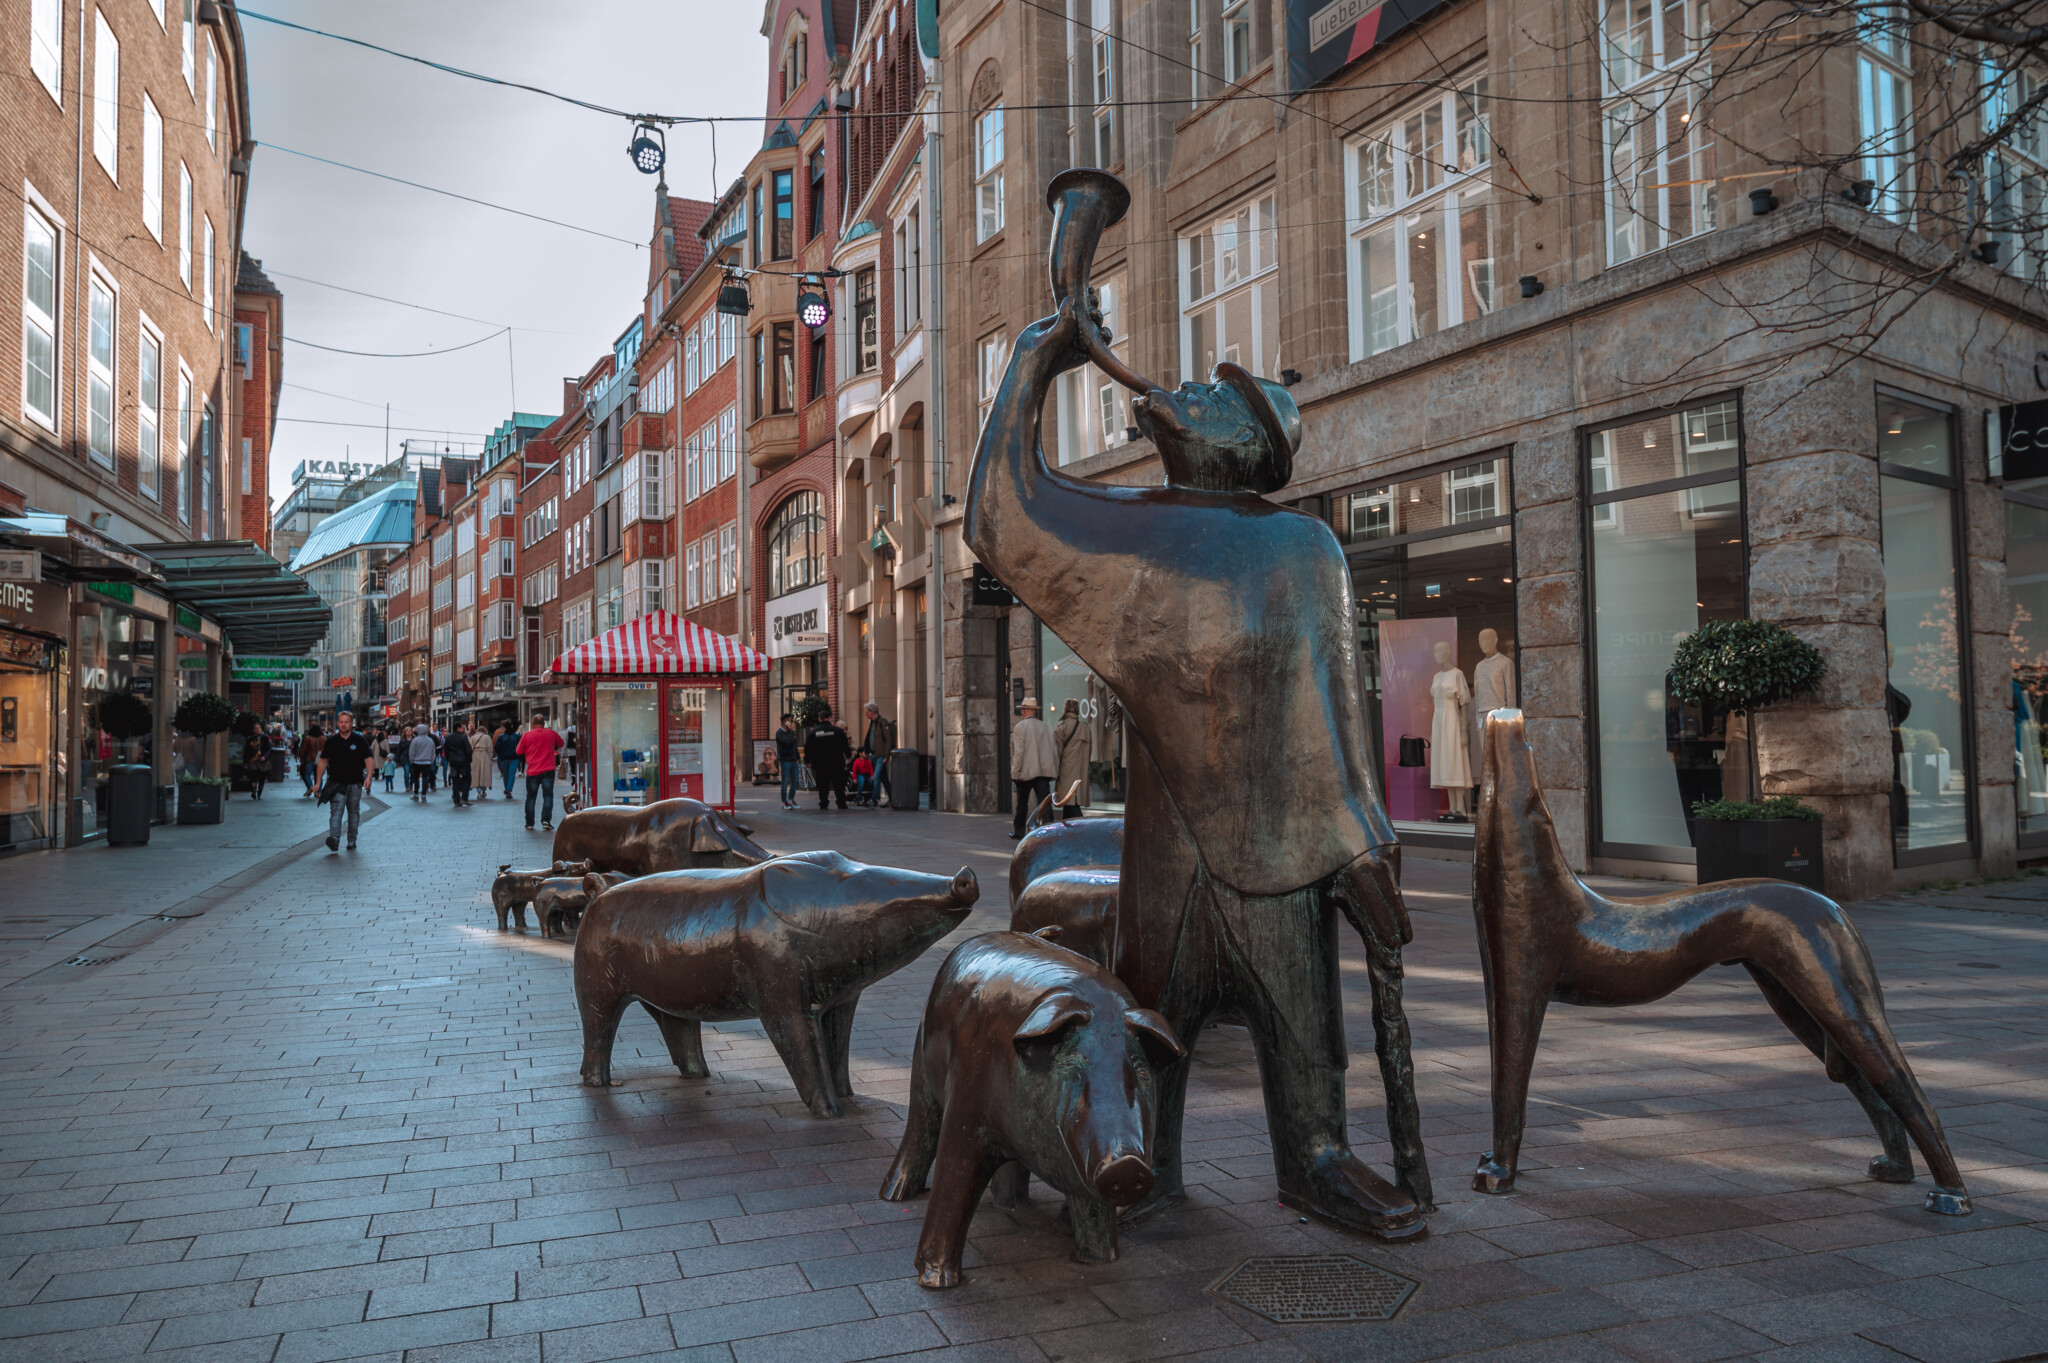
[{"x": 1317, "y": 1170}]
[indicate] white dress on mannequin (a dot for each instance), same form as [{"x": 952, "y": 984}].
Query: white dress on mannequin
[{"x": 1450, "y": 761}]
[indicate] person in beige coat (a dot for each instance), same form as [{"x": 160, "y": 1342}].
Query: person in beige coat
[
  {"x": 480, "y": 759},
  {"x": 1071, "y": 737},
  {"x": 1034, "y": 761}
]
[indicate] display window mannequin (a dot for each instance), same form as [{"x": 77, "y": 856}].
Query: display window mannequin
[{"x": 1450, "y": 753}]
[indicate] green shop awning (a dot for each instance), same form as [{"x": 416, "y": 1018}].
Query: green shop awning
[{"x": 264, "y": 607}]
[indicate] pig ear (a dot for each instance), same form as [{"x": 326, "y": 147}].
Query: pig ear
[
  {"x": 1052, "y": 1017},
  {"x": 742, "y": 827},
  {"x": 594, "y": 885},
  {"x": 1162, "y": 1047},
  {"x": 707, "y": 838},
  {"x": 1049, "y": 933}
]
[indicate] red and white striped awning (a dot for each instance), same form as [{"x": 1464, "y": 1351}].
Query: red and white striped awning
[{"x": 660, "y": 643}]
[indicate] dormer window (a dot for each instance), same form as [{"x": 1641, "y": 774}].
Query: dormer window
[{"x": 793, "y": 65}]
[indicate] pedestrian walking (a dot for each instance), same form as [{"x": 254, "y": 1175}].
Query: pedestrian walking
[
  {"x": 1070, "y": 737},
  {"x": 878, "y": 740},
  {"x": 455, "y": 751},
  {"x": 827, "y": 750},
  {"x": 309, "y": 755},
  {"x": 256, "y": 762},
  {"x": 480, "y": 758},
  {"x": 572, "y": 754},
  {"x": 505, "y": 747},
  {"x": 338, "y": 778},
  {"x": 419, "y": 754},
  {"x": 789, "y": 759},
  {"x": 441, "y": 750},
  {"x": 1034, "y": 761},
  {"x": 538, "y": 749}
]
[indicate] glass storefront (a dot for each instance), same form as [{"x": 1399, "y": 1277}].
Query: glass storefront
[
  {"x": 2026, "y": 568},
  {"x": 1063, "y": 677},
  {"x": 1432, "y": 558},
  {"x": 1665, "y": 551},
  {"x": 626, "y": 734},
  {"x": 28, "y": 721},
  {"x": 117, "y": 652},
  {"x": 1923, "y": 630}
]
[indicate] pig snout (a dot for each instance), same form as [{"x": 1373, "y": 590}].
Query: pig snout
[
  {"x": 966, "y": 889},
  {"x": 1123, "y": 1179}
]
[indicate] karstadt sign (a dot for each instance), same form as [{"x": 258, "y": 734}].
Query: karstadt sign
[{"x": 328, "y": 468}]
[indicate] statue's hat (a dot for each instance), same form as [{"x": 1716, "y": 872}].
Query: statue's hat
[{"x": 1279, "y": 421}]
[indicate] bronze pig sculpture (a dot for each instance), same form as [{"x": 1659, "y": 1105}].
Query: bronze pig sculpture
[
  {"x": 668, "y": 835},
  {"x": 513, "y": 890},
  {"x": 1544, "y": 935},
  {"x": 561, "y": 900},
  {"x": 792, "y": 942},
  {"x": 1031, "y": 1053},
  {"x": 1080, "y": 903},
  {"x": 1065, "y": 846}
]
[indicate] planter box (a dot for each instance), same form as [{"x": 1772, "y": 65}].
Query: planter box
[
  {"x": 201, "y": 804},
  {"x": 1783, "y": 849}
]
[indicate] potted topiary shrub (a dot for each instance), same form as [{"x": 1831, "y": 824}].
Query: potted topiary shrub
[
  {"x": 1741, "y": 666},
  {"x": 124, "y": 715},
  {"x": 201, "y": 797}
]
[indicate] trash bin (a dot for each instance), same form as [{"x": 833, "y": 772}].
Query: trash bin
[
  {"x": 129, "y": 797},
  {"x": 904, "y": 770}
]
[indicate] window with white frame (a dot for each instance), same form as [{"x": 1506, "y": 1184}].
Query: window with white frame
[
  {"x": 1198, "y": 51},
  {"x": 2016, "y": 173},
  {"x": 708, "y": 552},
  {"x": 444, "y": 547},
  {"x": 1230, "y": 292},
  {"x": 1661, "y": 185},
  {"x": 149, "y": 401},
  {"x": 1091, "y": 82},
  {"x": 106, "y": 96},
  {"x": 690, "y": 361},
  {"x": 508, "y": 625},
  {"x": 181, "y": 445},
  {"x": 152, "y": 168},
  {"x": 1884, "y": 112},
  {"x": 46, "y": 45},
  {"x": 989, "y": 352},
  {"x": 1422, "y": 221},
  {"x": 693, "y": 576},
  {"x": 909, "y": 274},
  {"x": 653, "y": 495},
  {"x": 465, "y": 590},
  {"x": 396, "y": 630},
  {"x": 1474, "y": 492},
  {"x": 1227, "y": 41},
  {"x": 39, "y": 319},
  {"x": 867, "y": 333},
  {"x": 188, "y": 42},
  {"x": 728, "y": 337},
  {"x": 988, "y": 173},
  {"x": 185, "y": 225},
  {"x": 206, "y": 272},
  {"x": 653, "y": 584},
  {"x": 212, "y": 93},
  {"x": 99, "y": 368},
  {"x": 248, "y": 465},
  {"x": 728, "y": 443},
  {"x": 1094, "y": 409},
  {"x": 506, "y": 560},
  {"x": 660, "y": 393},
  {"x": 728, "y": 560},
  {"x": 693, "y": 466}
]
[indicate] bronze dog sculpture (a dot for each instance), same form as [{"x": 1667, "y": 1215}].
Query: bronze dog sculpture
[
  {"x": 513, "y": 890},
  {"x": 561, "y": 900},
  {"x": 668, "y": 835},
  {"x": 1029, "y": 1053},
  {"x": 1544, "y": 935},
  {"x": 792, "y": 942}
]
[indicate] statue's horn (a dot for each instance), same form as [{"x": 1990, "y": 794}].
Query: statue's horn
[{"x": 1086, "y": 203}]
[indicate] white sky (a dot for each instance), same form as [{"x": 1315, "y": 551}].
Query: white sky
[{"x": 506, "y": 146}]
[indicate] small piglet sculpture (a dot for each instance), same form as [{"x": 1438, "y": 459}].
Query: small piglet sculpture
[
  {"x": 792, "y": 942},
  {"x": 513, "y": 890},
  {"x": 1030, "y": 1053},
  {"x": 561, "y": 900}
]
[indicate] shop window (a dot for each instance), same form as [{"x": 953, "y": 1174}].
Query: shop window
[
  {"x": 1435, "y": 588},
  {"x": 1925, "y": 626},
  {"x": 2026, "y": 569},
  {"x": 1097, "y": 715},
  {"x": 1230, "y": 292},
  {"x": 1665, "y": 552}
]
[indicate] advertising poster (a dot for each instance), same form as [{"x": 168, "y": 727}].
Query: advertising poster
[{"x": 1325, "y": 36}]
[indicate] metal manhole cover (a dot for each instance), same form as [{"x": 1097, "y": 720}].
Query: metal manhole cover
[{"x": 1315, "y": 1288}]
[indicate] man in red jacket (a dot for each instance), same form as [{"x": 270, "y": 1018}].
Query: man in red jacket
[{"x": 537, "y": 748}]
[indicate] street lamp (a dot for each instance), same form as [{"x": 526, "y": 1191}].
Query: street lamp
[{"x": 813, "y": 309}]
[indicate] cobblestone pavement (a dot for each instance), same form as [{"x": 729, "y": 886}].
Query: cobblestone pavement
[{"x": 336, "y": 1115}]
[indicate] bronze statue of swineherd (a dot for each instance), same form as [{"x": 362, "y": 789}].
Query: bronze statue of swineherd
[{"x": 1225, "y": 624}]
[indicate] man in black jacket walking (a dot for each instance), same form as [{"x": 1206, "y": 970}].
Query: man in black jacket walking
[{"x": 827, "y": 750}]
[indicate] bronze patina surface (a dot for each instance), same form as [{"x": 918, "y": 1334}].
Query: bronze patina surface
[
  {"x": 792, "y": 941},
  {"x": 1028, "y": 1053},
  {"x": 668, "y": 835},
  {"x": 560, "y": 901},
  {"x": 1544, "y": 935},
  {"x": 513, "y": 890},
  {"x": 1225, "y": 624}
]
